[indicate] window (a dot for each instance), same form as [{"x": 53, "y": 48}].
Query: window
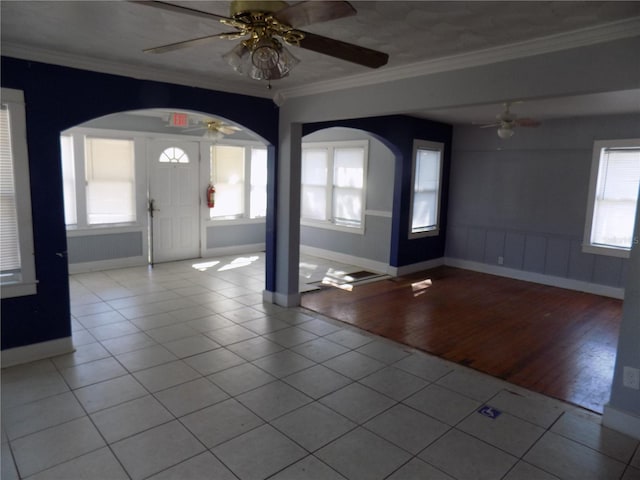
[
  {"x": 427, "y": 175},
  {"x": 17, "y": 268},
  {"x": 174, "y": 155},
  {"x": 258, "y": 193},
  {"x": 333, "y": 182},
  {"x": 613, "y": 197},
  {"x": 107, "y": 196},
  {"x": 68, "y": 180},
  {"x": 231, "y": 166}
]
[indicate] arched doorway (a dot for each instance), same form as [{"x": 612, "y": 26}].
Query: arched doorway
[
  {"x": 135, "y": 187},
  {"x": 347, "y": 211}
]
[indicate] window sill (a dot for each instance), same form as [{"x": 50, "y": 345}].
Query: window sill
[
  {"x": 333, "y": 226},
  {"x": 608, "y": 251},
  {"x": 234, "y": 221},
  {"x": 22, "y": 289},
  {"x": 429, "y": 233}
]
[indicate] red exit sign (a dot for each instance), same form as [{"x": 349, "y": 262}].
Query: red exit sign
[{"x": 179, "y": 120}]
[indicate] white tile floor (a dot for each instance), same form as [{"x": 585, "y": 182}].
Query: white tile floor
[{"x": 182, "y": 373}]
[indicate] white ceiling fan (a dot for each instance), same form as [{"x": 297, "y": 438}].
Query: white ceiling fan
[
  {"x": 214, "y": 129},
  {"x": 507, "y": 121}
]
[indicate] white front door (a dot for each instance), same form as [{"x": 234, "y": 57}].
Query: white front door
[{"x": 174, "y": 194}]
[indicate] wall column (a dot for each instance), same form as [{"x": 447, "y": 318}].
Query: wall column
[
  {"x": 622, "y": 413},
  {"x": 287, "y": 248}
]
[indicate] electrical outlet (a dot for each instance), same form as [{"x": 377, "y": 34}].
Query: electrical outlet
[
  {"x": 631, "y": 377},
  {"x": 500, "y": 260}
]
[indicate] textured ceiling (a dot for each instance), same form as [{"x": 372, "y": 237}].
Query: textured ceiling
[{"x": 103, "y": 35}]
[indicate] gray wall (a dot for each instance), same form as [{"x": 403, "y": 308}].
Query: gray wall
[
  {"x": 623, "y": 398},
  {"x": 524, "y": 199},
  {"x": 219, "y": 236},
  {"x": 94, "y": 248},
  {"x": 375, "y": 244}
]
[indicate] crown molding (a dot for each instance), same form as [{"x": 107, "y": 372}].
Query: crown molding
[
  {"x": 552, "y": 43},
  {"x": 128, "y": 70},
  {"x": 562, "y": 41}
]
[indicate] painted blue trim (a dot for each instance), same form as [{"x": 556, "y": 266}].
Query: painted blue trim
[
  {"x": 57, "y": 98},
  {"x": 271, "y": 220}
]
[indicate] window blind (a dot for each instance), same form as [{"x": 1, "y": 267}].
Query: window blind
[
  {"x": 425, "y": 191},
  {"x": 348, "y": 181},
  {"x": 110, "y": 177},
  {"x": 228, "y": 178},
  {"x": 315, "y": 165},
  {"x": 616, "y": 197},
  {"x": 9, "y": 241},
  {"x": 258, "y": 194}
]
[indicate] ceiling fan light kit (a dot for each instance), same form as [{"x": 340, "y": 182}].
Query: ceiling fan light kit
[
  {"x": 505, "y": 132},
  {"x": 261, "y": 59}
]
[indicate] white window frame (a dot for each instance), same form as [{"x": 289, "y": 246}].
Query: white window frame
[
  {"x": 247, "y": 186},
  {"x": 587, "y": 245},
  {"x": 437, "y": 147},
  {"x": 330, "y": 224},
  {"x": 78, "y": 136},
  {"x": 27, "y": 283}
]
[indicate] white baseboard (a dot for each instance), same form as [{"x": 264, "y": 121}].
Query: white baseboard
[
  {"x": 233, "y": 250},
  {"x": 126, "y": 262},
  {"x": 268, "y": 296},
  {"x": 371, "y": 265},
  {"x": 36, "y": 351},
  {"x": 541, "y": 278},
  {"x": 286, "y": 300},
  {"x": 622, "y": 421},
  {"x": 416, "y": 267}
]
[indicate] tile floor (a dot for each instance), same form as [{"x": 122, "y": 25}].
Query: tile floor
[{"x": 183, "y": 373}]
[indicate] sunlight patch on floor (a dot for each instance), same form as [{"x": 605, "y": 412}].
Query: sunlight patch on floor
[
  {"x": 204, "y": 266},
  {"x": 307, "y": 269},
  {"x": 419, "y": 288},
  {"x": 238, "y": 263}
]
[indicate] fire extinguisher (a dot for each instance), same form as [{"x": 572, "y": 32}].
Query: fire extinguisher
[{"x": 211, "y": 196}]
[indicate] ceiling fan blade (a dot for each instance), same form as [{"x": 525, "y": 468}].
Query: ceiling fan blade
[
  {"x": 228, "y": 130},
  {"x": 345, "y": 51},
  {"x": 527, "y": 122},
  {"x": 180, "y": 9},
  {"x": 190, "y": 43},
  {"x": 305, "y": 13},
  {"x": 490, "y": 125}
]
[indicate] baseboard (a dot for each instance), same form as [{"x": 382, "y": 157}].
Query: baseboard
[
  {"x": 285, "y": 300},
  {"x": 365, "y": 263},
  {"x": 233, "y": 250},
  {"x": 541, "y": 278},
  {"x": 36, "y": 351},
  {"x": 85, "y": 267},
  {"x": 621, "y": 421},
  {"x": 416, "y": 267}
]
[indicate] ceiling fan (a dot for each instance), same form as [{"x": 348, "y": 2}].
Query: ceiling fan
[
  {"x": 508, "y": 120},
  {"x": 265, "y": 25},
  {"x": 214, "y": 129}
]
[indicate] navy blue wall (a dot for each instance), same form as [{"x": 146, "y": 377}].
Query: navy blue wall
[
  {"x": 398, "y": 133},
  {"x": 58, "y": 98}
]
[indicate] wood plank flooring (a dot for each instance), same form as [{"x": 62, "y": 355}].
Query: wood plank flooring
[{"x": 557, "y": 342}]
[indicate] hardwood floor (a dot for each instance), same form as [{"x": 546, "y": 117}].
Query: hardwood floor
[{"x": 557, "y": 342}]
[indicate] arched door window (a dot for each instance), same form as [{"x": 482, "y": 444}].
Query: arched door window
[{"x": 173, "y": 155}]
